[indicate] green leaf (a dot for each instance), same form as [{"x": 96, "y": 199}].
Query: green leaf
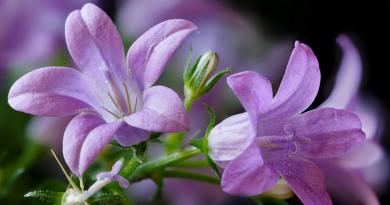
[
  {"x": 213, "y": 80},
  {"x": 106, "y": 199},
  {"x": 46, "y": 196}
]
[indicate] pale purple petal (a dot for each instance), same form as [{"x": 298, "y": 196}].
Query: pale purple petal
[
  {"x": 95, "y": 44},
  {"x": 228, "y": 139},
  {"x": 326, "y": 132},
  {"x": 113, "y": 175},
  {"x": 247, "y": 175},
  {"x": 253, "y": 90},
  {"x": 122, "y": 181},
  {"x": 94, "y": 143},
  {"x": 348, "y": 77},
  {"x": 150, "y": 53},
  {"x": 346, "y": 186},
  {"x": 162, "y": 111},
  {"x": 305, "y": 179},
  {"x": 75, "y": 134},
  {"x": 116, "y": 168},
  {"x": 365, "y": 155},
  {"x": 48, "y": 130},
  {"x": 128, "y": 135},
  {"x": 299, "y": 86},
  {"x": 369, "y": 113},
  {"x": 50, "y": 91}
]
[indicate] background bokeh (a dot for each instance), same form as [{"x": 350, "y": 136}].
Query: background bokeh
[{"x": 248, "y": 35}]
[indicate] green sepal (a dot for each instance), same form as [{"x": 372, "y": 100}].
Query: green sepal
[{"x": 214, "y": 79}]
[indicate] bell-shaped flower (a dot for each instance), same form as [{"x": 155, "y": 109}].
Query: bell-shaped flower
[
  {"x": 273, "y": 138},
  {"x": 350, "y": 167},
  {"x": 111, "y": 96}
]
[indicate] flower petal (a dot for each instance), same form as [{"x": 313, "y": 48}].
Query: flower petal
[
  {"x": 228, "y": 139},
  {"x": 50, "y": 91},
  {"x": 365, "y": 155},
  {"x": 348, "y": 77},
  {"x": 94, "y": 143},
  {"x": 305, "y": 179},
  {"x": 247, "y": 175},
  {"x": 300, "y": 84},
  {"x": 48, "y": 130},
  {"x": 253, "y": 90},
  {"x": 150, "y": 53},
  {"x": 95, "y": 44},
  {"x": 346, "y": 186},
  {"x": 162, "y": 111},
  {"x": 128, "y": 135},
  {"x": 327, "y": 132},
  {"x": 75, "y": 134}
]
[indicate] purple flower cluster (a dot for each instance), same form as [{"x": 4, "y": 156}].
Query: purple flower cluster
[{"x": 110, "y": 96}]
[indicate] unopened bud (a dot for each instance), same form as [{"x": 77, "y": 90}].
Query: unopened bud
[{"x": 198, "y": 79}]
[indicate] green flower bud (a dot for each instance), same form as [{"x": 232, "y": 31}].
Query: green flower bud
[{"x": 198, "y": 79}]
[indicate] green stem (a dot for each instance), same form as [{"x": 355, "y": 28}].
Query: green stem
[
  {"x": 188, "y": 103},
  {"x": 147, "y": 168},
  {"x": 191, "y": 175},
  {"x": 193, "y": 164},
  {"x": 130, "y": 167}
]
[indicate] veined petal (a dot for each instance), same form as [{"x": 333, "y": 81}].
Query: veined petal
[
  {"x": 228, "y": 139},
  {"x": 299, "y": 86},
  {"x": 305, "y": 179},
  {"x": 75, "y": 134},
  {"x": 95, "y": 44},
  {"x": 50, "y": 91},
  {"x": 162, "y": 111},
  {"x": 128, "y": 135},
  {"x": 348, "y": 77},
  {"x": 247, "y": 175},
  {"x": 363, "y": 156},
  {"x": 95, "y": 141},
  {"x": 327, "y": 132},
  {"x": 253, "y": 90},
  {"x": 150, "y": 53}
]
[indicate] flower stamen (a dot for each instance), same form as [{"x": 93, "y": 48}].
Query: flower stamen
[
  {"x": 128, "y": 101},
  {"x": 112, "y": 113}
]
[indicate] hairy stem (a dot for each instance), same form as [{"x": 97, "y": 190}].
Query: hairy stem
[
  {"x": 191, "y": 175},
  {"x": 158, "y": 164}
]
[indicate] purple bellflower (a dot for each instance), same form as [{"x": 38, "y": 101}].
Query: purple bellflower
[
  {"x": 350, "y": 167},
  {"x": 111, "y": 96},
  {"x": 273, "y": 138}
]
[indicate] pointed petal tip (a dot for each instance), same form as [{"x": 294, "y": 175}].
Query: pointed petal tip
[
  {"x": 341, "y": 38},
  {"x": 184, "y": 22},
  {"x": 89, "y": 6}
]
